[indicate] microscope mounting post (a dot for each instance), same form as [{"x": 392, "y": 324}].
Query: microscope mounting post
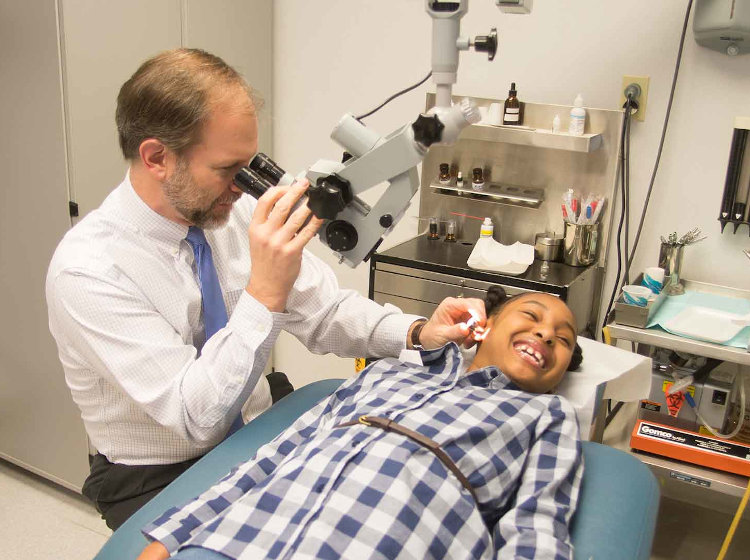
[{"x": 352, "y": 228}]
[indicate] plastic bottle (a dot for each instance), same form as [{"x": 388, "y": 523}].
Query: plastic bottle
[
  {"x": 460, "y": 180},
  {"x": 556, "y": 124},
  {"x": 577, "y": 117},
  {"x": 512, "y": 108},
  {"x": 487, "y": 229}
]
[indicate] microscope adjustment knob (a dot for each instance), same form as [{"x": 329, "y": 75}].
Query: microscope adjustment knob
[
  {"x": 386, "y": 221},
  {"x": 487, "y": 43},
  {"x": 427, "y": 130},
  {"x": 329, "y": 196},
  {"x": 341, "y": 236}
]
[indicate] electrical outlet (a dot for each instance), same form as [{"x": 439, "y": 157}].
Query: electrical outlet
[{"x": 642, "y": 81}]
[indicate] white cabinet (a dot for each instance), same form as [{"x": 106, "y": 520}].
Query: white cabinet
[{"x": 63, "y": 63}]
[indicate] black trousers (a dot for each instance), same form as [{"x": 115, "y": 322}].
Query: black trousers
[{"x": 118, "y": 490}]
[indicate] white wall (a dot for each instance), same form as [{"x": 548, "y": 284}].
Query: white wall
[{"x": 335, "y": 56}]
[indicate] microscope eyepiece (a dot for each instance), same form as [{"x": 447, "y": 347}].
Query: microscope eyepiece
[{"x": 267, "y": 169}]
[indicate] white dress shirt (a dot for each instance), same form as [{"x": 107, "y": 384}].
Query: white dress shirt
[{"x": 125, "y": 309}]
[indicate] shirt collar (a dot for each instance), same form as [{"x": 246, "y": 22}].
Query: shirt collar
[
  {"x": 148, "y": 221},
  {"x": 490, "y": 375}
]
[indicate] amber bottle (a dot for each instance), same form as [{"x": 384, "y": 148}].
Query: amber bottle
[{"x": 512, "y": 112}]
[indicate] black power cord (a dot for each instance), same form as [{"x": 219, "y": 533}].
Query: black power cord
[
  {"x": 663, "y": 134},
  {"x": 394, "y": 96},
  {"x": 625, "y": 177},
  {"x": 625, "y": 174}
]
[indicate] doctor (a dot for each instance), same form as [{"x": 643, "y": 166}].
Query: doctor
[{"x": 165, "y": 302}]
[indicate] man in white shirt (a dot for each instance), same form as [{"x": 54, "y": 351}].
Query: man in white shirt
[{"x": 124, "y": 298}]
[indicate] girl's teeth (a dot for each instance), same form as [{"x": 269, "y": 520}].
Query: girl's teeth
[{"x": 531, "y": 352}]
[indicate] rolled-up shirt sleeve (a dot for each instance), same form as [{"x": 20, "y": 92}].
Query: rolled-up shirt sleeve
[{"x": 326, "y": 318}]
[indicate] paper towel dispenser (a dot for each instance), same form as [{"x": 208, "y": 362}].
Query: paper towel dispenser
[{"x": 723, "y": 25}]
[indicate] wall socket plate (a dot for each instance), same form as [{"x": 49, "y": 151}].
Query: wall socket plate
[{"x": 642, "y": 81}]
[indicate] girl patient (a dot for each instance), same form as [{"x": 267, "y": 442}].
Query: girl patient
[{"x": 437, "y": 460}]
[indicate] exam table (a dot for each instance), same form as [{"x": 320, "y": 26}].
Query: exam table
[{"x": 615, "y": 519}]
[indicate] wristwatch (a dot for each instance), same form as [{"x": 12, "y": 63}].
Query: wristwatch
[{"x": 415, "y": 332}]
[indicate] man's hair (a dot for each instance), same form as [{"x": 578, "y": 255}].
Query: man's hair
[
  {"x": 169, "y": 98},
  {"x": 497, "y": 299}
]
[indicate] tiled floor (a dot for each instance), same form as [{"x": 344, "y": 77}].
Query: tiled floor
[{"x": 40, "y": 520}]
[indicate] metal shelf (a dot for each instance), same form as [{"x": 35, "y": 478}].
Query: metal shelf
[
  {"x": 654, "y": 337},
  {"x": 530, "y": 197},
  {"x": 662, "y": 339},
  {"x": 709, "y": 488},
  {"x": 712, "y": 489},
  {"x": 686, "y": 482},
  {"x": 537, "y": 137}
]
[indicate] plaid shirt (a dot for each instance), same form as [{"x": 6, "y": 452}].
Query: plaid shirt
[{"x": 318, "y": 491}]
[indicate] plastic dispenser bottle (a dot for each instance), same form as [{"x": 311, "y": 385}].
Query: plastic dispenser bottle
[
  {"x": 512, "y": 111},
  {"x": 577, "y": 117},
  {"x": 556, "y": 125},
  {"x": 487, "y": 228}
]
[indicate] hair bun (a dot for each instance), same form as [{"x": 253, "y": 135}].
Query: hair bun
[
  {"x": 496, "y": 296},
  {"x": 576, "y": 358}
]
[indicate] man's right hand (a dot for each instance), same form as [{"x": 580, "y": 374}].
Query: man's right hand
[{"x": 276, "y": 244}]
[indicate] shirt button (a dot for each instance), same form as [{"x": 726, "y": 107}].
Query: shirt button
[{"x": 418, "y": 396}]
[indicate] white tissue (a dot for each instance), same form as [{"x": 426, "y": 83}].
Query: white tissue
[
  {"x": 488, "y": 254},
  {"x": 627, "y": 375}
]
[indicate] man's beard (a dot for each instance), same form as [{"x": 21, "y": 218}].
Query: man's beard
[{"x": 188, "y": 199}]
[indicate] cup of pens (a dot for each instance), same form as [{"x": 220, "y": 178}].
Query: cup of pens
[{"x": 581, "y": 234}]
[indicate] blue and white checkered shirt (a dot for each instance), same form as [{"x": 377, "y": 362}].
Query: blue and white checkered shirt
[{"x": 318, "y": 491}]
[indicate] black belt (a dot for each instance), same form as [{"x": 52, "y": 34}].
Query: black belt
[{"x": 424, "y": 441}]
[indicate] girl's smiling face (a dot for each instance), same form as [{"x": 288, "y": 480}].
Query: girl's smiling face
[{"x": 531, "y": 340}]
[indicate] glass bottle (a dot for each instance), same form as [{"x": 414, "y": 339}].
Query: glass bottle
[
  {"x": 444, "y": 178},
  {"x": 477, "y": 179},
  {"x": 433, "y": 233},
  {"x": 512, "y": 108},
  {"x": 450, "y": 230}
]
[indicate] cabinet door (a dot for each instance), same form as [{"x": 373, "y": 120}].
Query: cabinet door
[
  {"x": 104, "y": 43},
  {"x": 40, "y": 426}
]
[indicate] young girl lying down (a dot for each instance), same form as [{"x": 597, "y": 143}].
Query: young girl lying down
[{"x": 438, "y": 460}]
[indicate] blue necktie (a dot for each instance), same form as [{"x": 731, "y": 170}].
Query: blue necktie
[{"x": 214, "y": 312}]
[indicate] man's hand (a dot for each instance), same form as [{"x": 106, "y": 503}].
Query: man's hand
[
  {"x": 276, "y": 244},
  {"x": 448, "y": 323}
]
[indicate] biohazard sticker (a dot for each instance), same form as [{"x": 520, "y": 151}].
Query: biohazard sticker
[
  {"x": 676, "y": 399},
  {"x": 674, "y": 402}
]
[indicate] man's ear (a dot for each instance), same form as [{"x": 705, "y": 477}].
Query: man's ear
[{"x": 155, "y": 158}]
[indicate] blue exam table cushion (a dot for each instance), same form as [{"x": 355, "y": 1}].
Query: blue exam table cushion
[{"x": 615, "y": 519}]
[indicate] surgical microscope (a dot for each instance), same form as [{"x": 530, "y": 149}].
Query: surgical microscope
[{"x": 352, "y": 228}]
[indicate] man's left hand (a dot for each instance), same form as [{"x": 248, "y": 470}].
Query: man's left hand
[{"x": 448, "y": 323}]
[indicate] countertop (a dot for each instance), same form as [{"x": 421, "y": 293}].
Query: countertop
[{"x": 450, "y": 258}]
